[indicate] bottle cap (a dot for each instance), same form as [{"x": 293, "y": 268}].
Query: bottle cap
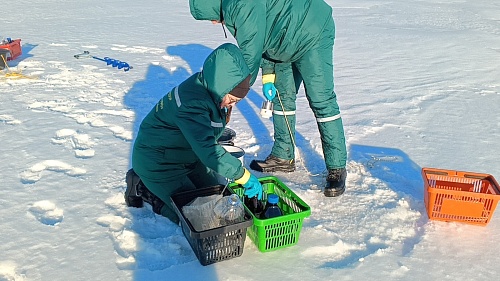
[
  {"x": 233, "y": 199},
  {"x": 273, "y": 199}
]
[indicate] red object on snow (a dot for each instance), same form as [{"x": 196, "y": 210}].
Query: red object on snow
[{"x": 14, "y": 48}]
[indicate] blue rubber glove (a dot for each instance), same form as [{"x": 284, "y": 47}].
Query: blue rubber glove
[
  {"x": 268, "y": 88},
  {"x": 253, "y": 188},
  {"x": 269, "y": 91},
  {"x": 251, "y": 184}
]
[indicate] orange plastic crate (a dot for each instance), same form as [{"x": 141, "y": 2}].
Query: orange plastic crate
[
  {"x": 14, "y": 48},
  {"x": 460, "y": 196}
]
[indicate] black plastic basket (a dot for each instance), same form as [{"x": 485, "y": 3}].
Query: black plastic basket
[{"x": 212, "y": 245}]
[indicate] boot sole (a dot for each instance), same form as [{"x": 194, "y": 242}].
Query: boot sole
[
  {"x": 255, "y": 166},
  {"x": 271, "y": 170},
  {"x": 330, "y": 192}
]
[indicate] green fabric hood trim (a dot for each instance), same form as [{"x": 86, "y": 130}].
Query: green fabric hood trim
[
  {"x": 223, "y": 70},
  {"x": 205, "y": 9}
]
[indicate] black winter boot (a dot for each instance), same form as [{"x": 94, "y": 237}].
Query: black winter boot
[
  {"x": 335, "y": 182},
  {"x": 132, "y": 194},
  {"x": 227, "y": 137},
  {"x": 273, "y": 164},
  {"x": 152, "y": 199},
  {"x": 136, "y": 193}
]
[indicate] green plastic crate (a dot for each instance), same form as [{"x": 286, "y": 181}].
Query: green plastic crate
[{"x": 279, "y": 232}]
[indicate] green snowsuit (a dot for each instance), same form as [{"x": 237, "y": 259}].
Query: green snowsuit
[
  {"x": 176, "y": 147},
  {"x": 293, "y": 39}
]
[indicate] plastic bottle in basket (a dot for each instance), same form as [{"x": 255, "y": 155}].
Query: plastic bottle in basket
[
  {"x": 272, "y": 210},
  {"x": 254, "y": 205},
  {"x": 229, "y": 210}
]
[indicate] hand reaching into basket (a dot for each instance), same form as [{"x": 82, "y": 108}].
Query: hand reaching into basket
[{"x": 251, "y": 184}]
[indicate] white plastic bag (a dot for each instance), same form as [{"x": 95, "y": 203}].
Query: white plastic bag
[{"x": 200, "y": 212}]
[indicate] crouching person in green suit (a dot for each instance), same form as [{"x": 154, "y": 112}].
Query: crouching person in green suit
[{"x": 176, "y": 147}]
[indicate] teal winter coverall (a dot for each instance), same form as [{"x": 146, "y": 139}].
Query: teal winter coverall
[
  {"x": 293, "y": 39},
  {"x": 176, "y": 147}
]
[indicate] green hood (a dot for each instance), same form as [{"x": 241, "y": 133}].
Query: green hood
[
  {"x": 206, "y": 9},
  {"x": 223, "y": 70}
]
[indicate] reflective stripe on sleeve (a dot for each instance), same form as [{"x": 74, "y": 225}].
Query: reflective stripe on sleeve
[
  {"x": 216, "y": 124},
  {"x": 176, "y": 95}
]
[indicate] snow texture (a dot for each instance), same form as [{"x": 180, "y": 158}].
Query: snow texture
[{"x": 418, "y": 86}]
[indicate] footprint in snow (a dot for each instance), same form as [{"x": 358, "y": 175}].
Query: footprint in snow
[
  {"x": 9, "y": 271},
  {"x": 81, "y": 143},
  {"x": 94, "y": 119},
  {"x": 34, "y": 173},
  {"x": 9, "y": 120},
  {"x": 143, "y": 240},
  {"x": 46, "y": 212}
]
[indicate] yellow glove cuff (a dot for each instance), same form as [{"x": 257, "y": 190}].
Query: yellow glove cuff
[
  {"x": 268, "y": 78},
  {"x": 244, "y": 178}
]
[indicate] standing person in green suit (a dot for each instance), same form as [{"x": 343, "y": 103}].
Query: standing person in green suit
[
  {"x": 176, "y": 147},
  {"x": 292, "y": 41}
]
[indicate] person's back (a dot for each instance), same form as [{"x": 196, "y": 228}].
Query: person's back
[
  {"x": 281, "y": 30},
  {"x": 293, "y": 26}
]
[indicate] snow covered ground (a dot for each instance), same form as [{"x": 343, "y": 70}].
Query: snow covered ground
[{"x": 418, "y": 86}]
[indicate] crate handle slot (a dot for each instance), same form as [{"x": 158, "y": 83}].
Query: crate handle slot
[
  {"x": 474, "y": 177},
  {"x": 436, "y": 173}
]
